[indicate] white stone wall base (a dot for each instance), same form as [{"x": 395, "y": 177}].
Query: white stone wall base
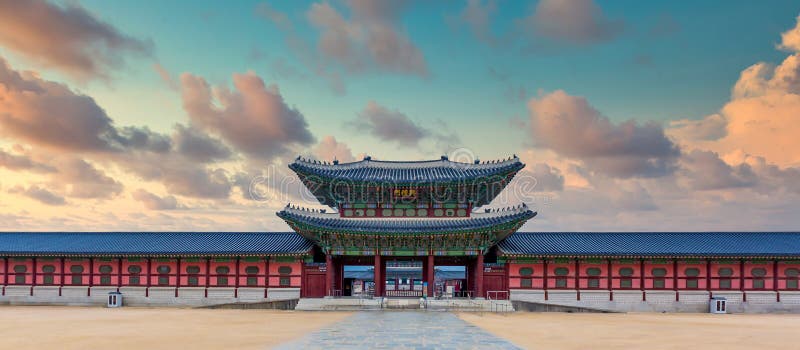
[{"x": 664, "y": 301}]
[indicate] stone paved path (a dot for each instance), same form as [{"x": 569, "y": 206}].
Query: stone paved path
[{"x": 400, "y": 330}]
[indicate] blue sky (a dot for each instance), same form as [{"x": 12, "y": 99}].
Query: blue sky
[
  {"x": 687, "y": 72},
  {"x": 153, "y": 114}
]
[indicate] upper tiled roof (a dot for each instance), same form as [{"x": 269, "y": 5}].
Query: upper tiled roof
[
  {"x": 442, "y": 170},
  {"x": 152, "y": 243},
  {"x": 332, "y": 221},
  {"x": 700, "y": 244}
]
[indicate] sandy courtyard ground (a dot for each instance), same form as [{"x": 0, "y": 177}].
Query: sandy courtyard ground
[
  {"x": 642, "y": 331},
  {"x": 51, "y": 327}
]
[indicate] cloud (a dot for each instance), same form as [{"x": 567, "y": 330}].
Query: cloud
[
  {"x": 154, "y": 202},
  {"x": 706, "y": 171},
  {"x": 39, "y": 194},
  {"x": 329, "y": 149},
  {"x": 253, "y": 118},
  {"x": 67, "y": 38},
  {"x": 572, "y": 128},
  {"x": 790, "y": 39},
  {"x": 547, "y": 178},
  {"x": 49, "y": 114},
  {"x": 710, "y": 128},
  {"x": 23, "y": 162},
  {"x": 163, "y": 73},
  {"x": 371, "y": 39},
  {"x": 390, "y": 125},
  {"x": 280, "y": 19},
  {"x": 83, "y": 180},
  {"x": 477, "y": 16},
  {"x": 198, "y": 146},
  {"x": 575, "y": 22},
  {"x": 762, "y": 117}
]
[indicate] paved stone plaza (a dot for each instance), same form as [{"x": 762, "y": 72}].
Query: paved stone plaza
[{"x": 400, "y": 330}]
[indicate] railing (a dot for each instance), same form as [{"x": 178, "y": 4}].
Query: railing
[
  {"x": 403, "y": 293},
  {"x": 497, "y": 295}
]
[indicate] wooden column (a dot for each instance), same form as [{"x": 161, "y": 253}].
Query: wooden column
[
  {"x": 675, "y": 279},
  {"x": 147, "y": 275},
  {"x": 60, "y": 285},
  {"x": 178, "y": 276},
  {"x": 236, "y": 276},
  {"x": 119, "y": 273},
  {"x": 708, "y": 277},
  {"x": 741, "y": 280},
  {"x": 774, "y": 280},
  {"x": 33, "y": 282},
  {"x": 578, "y": 279},
  {"x": 266, "y": 277},
  {"x": 208, "y": 276},
  {"x": 5, "y": 273},
  {"x": 91, "y": 277},
  {"x": 378, "y": 276},
  {"x": 609, "y": 281},
  {"x": 544, "y": 278},
  {"x": 431, "y": 275},
  {"x": 641, "y": 279},
  {"x": 328, "y": 274},
  {"x": 479, "y": 276}
]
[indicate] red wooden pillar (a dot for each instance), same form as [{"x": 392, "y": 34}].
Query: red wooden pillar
[
  {"x": 578, "y": 279},
  {"x": 60, "y": 285},
  {"x": 266, "y": 278},
  {"x": 479, "y": 276},
  {"x": 431, "y": 275},
  {"x": 675, "y": 279},
  {"x": 33, "y": 283},
  {"x": 178, "y": 276},
  {"x": 328, "y": 274},
  {"x": 609, "y": 281},
  {"x": 741, "y": 280},
  {"x": 774, "y": 280},
  {"x": 378, "y": 276},
  {"x": 236, "y": 275},
  {"x": 208, "y": 276},
  {"x": 708, "y": 277},
  {"x": 641, "y": 279},
  {"x": 147, "y": 275},
  {"x": 91, "y": 277},
  {"x": 544, "y": 278},
  {"x": 119, "y": 273},
  {"x": 5, "y": 273}
]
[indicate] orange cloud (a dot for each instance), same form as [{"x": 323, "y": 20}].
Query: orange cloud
[{"x": 68, "y": 38}]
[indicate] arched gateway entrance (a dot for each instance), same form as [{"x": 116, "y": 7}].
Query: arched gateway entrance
[{"x": 403, "y": 219}]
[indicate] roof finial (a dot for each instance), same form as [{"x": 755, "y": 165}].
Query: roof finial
[{"x": 335, "y": 161}]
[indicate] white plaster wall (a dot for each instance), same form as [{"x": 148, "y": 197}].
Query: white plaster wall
[
  {"x": 627, "y": 296},
  {"x": 251, "y": 294},
  {"x": 283, "y": 293}
]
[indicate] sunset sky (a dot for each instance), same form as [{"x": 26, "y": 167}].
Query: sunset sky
[{"x": 182, "y": 115}]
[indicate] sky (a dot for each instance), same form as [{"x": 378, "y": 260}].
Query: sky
[{"x": 629, "y": 115}]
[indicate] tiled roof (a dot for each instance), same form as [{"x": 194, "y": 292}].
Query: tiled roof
[
  {"x": 152, "y": 243},
  {"x": 332, "y": 221},
  {"x": 721, "y": 244},
  {"x": 442, "y": 170}
]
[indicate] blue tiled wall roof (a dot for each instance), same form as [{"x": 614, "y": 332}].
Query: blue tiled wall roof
[
  {"x": 406, "y": 172},
  {"x": 152, "y": 243},
  {"x": 783, "y": 244},
  {"x": 477, "y": 221}
]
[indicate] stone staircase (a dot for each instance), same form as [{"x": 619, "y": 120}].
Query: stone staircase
[
  {"x": 357, "y": 304},
  {"x": 338, "y": 304}
]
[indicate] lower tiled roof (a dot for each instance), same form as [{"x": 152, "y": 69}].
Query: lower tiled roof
[
  {"x": 716, "y": 244},
  {"x": 152, "y": 243}
]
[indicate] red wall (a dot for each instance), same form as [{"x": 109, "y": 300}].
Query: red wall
[{"x": 269, "y": 273}]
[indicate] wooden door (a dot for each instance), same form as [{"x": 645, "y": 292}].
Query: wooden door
[{"x": 314, "y": 286}]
